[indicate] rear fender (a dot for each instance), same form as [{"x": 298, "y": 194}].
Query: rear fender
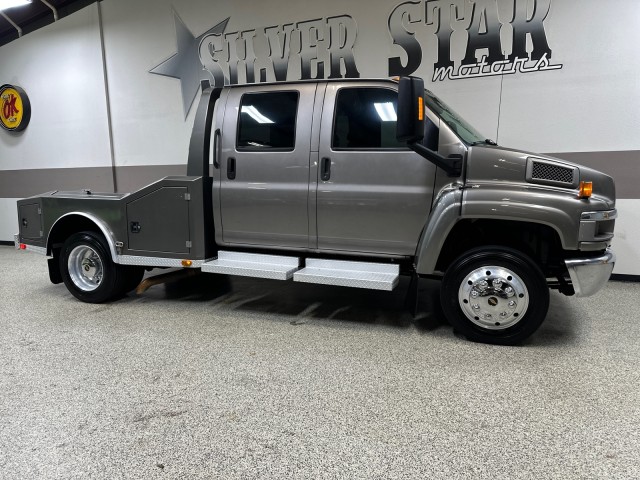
[{"x": 101, "y": 225}]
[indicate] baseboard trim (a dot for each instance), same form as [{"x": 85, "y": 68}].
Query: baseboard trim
[
  {"x": 620, "y": 277},
  {"x": 7, "y": 243}
]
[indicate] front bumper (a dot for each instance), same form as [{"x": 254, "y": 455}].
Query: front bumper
[{"x": 589, "y": 275}]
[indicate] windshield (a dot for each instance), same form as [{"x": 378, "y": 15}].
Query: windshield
[{"x": 459, "y": 125}]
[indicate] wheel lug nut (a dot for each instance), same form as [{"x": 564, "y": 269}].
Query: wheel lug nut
[
  {"x": 488, "y": 316},
  {"x": 476, "y": 306},
  {"x": 474, "y": 294},
  {"x": 503, "y": 314},
  {"x": 509, "y": 291},
  {"x": 482, "y": 285},
  {"x": 512, "y": 304},
  {"x": 497, "y": 283}
]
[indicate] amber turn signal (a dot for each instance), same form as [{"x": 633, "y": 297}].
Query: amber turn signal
[
  {"x": 586, "y": 189},
  {"x": 187, "y": 263},
  {"x": 420, "y": 108}
]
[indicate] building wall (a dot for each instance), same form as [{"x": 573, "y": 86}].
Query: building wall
[
  {"x": 587, "y": 111},
  {"x": 60, "y": 67}
]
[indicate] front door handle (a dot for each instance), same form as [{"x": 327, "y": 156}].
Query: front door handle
[
  {"x": 325, "y": 169},
  {"x": 231, "y": 168}
]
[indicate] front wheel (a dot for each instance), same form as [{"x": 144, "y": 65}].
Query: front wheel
[
  {"x": 495, "y": 295},
  {"x": 87, "y": 269}
]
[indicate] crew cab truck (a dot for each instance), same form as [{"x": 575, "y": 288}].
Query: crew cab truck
[{"x": 352, "y": 183}]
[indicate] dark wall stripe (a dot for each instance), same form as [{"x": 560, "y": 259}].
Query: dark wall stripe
[
  {"x": 131, "y": 179},
  {"x": 26, "y": 183},
  {"x": 624, "y": 167}
]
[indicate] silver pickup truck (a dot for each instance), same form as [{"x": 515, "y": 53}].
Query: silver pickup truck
[{"x": 352, "y": 183}]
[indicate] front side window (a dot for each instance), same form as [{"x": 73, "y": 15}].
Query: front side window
[
  {"x": 365, "y": 118},
  {"x": 267, "y": 121}
]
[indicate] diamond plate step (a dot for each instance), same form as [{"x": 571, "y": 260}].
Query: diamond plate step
[
  {"x": 375, "y": 276},
  {"x": 275, "y": 267}
]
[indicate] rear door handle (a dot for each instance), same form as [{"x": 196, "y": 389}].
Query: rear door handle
[
  {"x": 216, "y": 140},
  {"x": 231, "y": 168},
  {"x": 325, "y": 169}
]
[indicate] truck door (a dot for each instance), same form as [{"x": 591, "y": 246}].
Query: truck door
[
  {"x": 374, "y": 194},
  {"x": 264, "y": 168}
]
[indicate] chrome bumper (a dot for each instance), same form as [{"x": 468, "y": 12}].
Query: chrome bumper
[{"x": 589, "y": 275}]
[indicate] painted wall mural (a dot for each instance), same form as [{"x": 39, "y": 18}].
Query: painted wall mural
[
  {"x": 497, "y": 42},
  {"x": 486, "y": 53}
]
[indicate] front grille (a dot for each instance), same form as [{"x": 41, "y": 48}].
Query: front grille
[{"x": 552, "y": 173}]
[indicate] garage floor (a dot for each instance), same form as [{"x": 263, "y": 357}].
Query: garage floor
[{"x": 242, "y": 378}]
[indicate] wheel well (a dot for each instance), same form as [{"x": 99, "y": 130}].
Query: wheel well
[
  {"x": 540, "y": 242},
  {"x": 65, "y": 227}
]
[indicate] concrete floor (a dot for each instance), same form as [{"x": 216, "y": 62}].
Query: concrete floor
[{"x": 244, "y": 378}]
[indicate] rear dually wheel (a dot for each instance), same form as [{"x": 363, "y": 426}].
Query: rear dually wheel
[{"x": 88, "y": 271}]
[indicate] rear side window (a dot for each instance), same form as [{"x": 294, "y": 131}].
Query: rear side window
[
  {"x": 366, "y": 118},
  {"x": 267, "y": 121}
]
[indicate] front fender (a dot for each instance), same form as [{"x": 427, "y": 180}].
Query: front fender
[
  {"x": 559, "y": 209},
  {"x": 444, "y": 215}
]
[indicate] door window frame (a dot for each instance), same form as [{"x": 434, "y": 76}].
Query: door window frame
[
  {"x": 267, "y": 149},
  {"x": 333, "y": 123}
]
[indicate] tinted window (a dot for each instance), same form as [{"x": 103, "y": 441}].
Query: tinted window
[
  {"x": 366, "y": 118},
  {"x": 268, "y": 121}
]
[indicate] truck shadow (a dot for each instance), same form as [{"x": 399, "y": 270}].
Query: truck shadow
[{"x": 300, "y": 303}]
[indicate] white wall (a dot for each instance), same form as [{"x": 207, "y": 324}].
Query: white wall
[
  {"x": 8, "y": 218},
  {"x": 60, "y": 67},
  {"x": 592, "y": 104},
  {"x": 627, "y": 239}
]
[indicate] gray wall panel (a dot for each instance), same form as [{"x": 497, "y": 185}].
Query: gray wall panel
[
  {"x": 25, "y": 183},
  {"x": 624, "y": 167}
]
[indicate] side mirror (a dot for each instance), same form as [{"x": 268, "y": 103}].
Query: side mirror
[{"x": 410, "y": 126}]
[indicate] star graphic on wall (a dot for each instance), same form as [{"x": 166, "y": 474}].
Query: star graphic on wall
[{"x": 185, "y": 65}]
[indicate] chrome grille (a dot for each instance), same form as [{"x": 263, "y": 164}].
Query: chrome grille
[{"x": 552, "y": 173}]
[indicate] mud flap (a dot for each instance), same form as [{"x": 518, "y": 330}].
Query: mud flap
[{"x": 54, "y": 270}]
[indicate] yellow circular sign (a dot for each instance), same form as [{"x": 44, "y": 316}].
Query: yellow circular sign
[{"x": 15, "y": 108}]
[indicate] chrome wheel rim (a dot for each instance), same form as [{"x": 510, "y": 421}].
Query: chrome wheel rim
[
  {"x": 493, "y": 297},
  {"x": 85, "y": 268}
]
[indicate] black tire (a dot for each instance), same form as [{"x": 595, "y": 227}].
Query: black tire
[
  {"x": 88, "y": 271},
  {"x": 484, "y": 311}
]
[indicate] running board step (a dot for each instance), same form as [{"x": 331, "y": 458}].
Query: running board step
[
  {"x": 375, "y": 276},
  {"x": 275, "y": 267}
]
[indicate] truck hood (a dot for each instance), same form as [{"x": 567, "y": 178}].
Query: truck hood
[{"x": 495, "y": 163}]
